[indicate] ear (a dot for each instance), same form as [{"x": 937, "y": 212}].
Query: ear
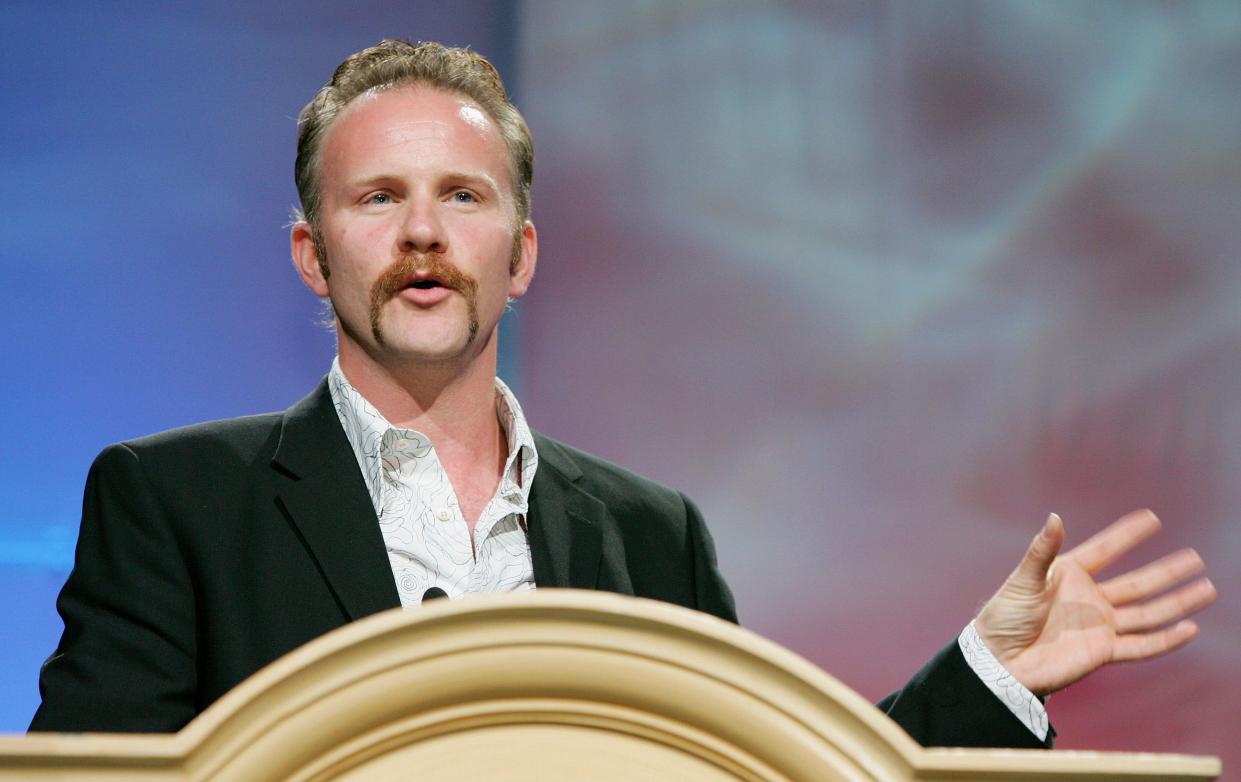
[
  {"x": 306, "y": 258},
  {"x": 523, "y": 270}
]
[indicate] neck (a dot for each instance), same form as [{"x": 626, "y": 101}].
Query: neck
[{"x": 452, "y": 403}]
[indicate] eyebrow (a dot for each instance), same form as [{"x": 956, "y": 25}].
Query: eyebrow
[
  {"x": 458, "y": 176},
  {"x": 483, "y": 179}
]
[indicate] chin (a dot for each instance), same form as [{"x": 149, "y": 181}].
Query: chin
[
  {"x": 458, "y": 347},
  {"x": 428, "y": 339}
]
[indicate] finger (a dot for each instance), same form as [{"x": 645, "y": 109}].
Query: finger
[
  {"x": 1169, "y": 608},
  {"x": 1115, "y": 539},
  {"x": 1032, "y": 571},
  {"x": 1146, "y": 645},
  {"x": 1153, "y": 578}
]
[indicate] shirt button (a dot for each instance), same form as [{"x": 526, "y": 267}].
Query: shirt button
[{"x": 444, "y": 515}]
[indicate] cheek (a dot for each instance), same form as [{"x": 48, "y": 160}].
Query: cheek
[
  {"x": 358, "y": 251},
  {"x": 499, "y": 268},
  {"x": 485, "y": 253},
  {"x": 358, "y": 241}
]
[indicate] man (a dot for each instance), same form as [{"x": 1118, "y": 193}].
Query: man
[{"x": 207, "y": 552}]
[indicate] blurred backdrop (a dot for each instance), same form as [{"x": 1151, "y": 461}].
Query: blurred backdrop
[{"x": 879, "y": 284}]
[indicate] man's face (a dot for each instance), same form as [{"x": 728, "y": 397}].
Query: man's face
[{"x": 418, "y": 226}]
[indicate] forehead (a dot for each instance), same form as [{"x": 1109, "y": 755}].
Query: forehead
[{"x": 411, "y": 128}]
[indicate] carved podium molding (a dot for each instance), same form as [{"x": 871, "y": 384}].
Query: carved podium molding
[{"x": 547, "y": 686}]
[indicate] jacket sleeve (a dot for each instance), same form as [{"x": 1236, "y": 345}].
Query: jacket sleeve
[
  {"x": 711, "y": 593},
  {"x": 945, "y": 704},
  {"x": 126, "y": 661}
]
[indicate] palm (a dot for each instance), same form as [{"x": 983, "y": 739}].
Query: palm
[{"x": 1050, "y": 625}]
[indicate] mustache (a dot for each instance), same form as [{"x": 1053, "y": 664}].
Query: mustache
[
  {"x": 394, "y": 279},
  {"x": 435, "y": 266}
]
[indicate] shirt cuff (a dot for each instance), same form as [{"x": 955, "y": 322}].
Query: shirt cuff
[{"x": 1024, "y": 704}]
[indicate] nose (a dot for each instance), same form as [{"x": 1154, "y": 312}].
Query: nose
[{"x": 422, "y": 229}]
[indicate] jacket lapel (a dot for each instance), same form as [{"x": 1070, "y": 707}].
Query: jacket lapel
[
  {"x": 566, "y": 524},
  {"x": 321, "y": 489}
]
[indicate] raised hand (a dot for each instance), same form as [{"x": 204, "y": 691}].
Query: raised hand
[{"x": 1052, "y": 622}]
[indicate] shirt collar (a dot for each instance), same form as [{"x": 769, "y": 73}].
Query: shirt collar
[
  {"x": 365, "y": 427},
  {"x": 522, "y": 458}
]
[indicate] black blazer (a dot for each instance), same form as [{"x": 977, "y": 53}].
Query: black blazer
[{"x": 209, "y": 551}]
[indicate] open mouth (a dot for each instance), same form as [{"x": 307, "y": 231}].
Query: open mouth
[{"x": 420, "y": 283}]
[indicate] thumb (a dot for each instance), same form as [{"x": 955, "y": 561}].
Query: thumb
[{"x": 1032, "y": 572}]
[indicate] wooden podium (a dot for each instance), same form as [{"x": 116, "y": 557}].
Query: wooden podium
[{"x": 548, "y": 686}]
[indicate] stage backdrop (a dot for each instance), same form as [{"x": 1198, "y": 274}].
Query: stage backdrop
[{"x": 878, "y": 283}]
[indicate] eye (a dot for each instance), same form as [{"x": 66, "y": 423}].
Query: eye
[
  {"x": 379, "y": 198},
  {"x": 464, "y": 197}
]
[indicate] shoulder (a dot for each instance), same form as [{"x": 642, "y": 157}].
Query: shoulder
[
  {"x": 241, "y": 435},
  {"x": 225, "y": 431},
  {"x": 208, "y": 448},
  {"x": 622, "y": 490},
  {"x": 250, "y": 440}
]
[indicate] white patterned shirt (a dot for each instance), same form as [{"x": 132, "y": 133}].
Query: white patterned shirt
[
  {"x": 1025, "y": 705},
  {"x": 427, "y": 537}
]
